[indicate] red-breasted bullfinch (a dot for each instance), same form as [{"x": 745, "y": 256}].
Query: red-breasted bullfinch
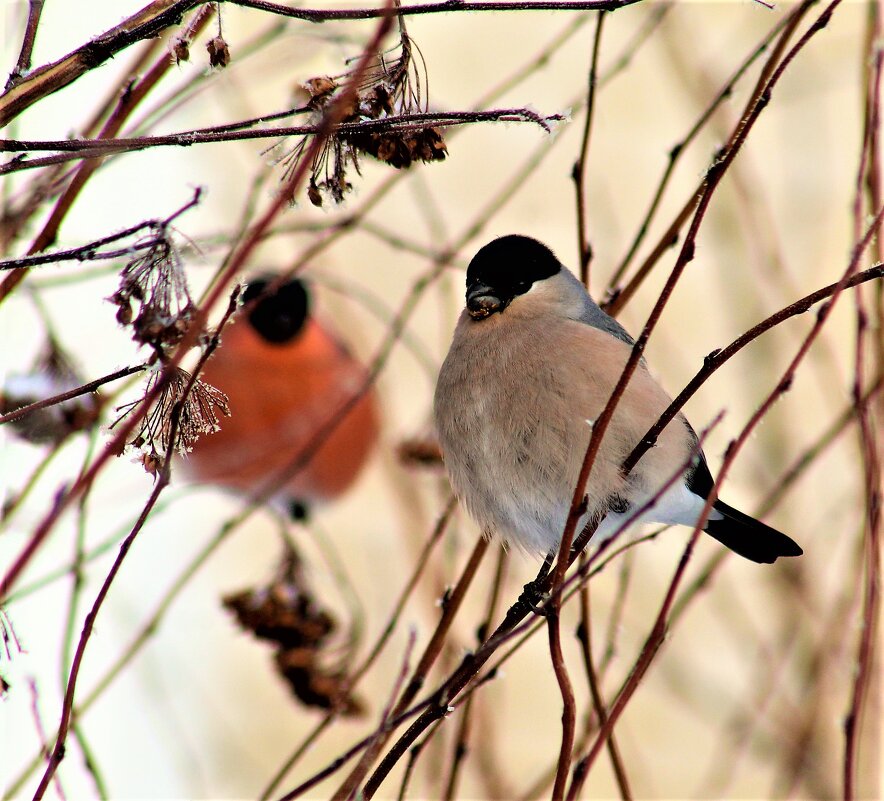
[
  {"x": 533, "y": 362},
  {"x": 286, "y": 376}
]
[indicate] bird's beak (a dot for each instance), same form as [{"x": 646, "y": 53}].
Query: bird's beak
[{"x": 483, "y": 301}]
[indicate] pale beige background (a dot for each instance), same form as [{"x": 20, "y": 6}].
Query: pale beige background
[{"x": 200, "y": 713}]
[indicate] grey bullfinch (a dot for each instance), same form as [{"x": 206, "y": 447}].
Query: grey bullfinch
[
  {"x": 285, "y": 375},
  {"x": 532, "y": 363}
]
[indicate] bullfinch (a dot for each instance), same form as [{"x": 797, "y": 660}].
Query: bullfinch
[
  {"x": 285, "y": 375},
  {"x": 532, "y": 363}
]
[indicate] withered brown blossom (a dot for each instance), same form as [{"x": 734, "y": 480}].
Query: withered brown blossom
[
  {"x": 219, "y": 52},
  {"x": 392, "y": 86},
  {"x": 155, "y": 281},
  {"x": 180, "y": 49},
  {"x": 287, "y": 614},
  {"x": 198, "y": 412}
]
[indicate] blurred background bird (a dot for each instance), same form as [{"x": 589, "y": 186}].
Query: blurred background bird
[{"x": 288, "y": 378}]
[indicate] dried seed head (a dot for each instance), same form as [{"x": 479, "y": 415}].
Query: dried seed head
[
  {"x": 287, "y": 614},
  {"x": 155, "y": 279},
  {"x": 180, "y": 49},
  {"x": 320, "y": 89},
  {"x": 392, "y": 85},
  {"x": 178, "y": 413},
  {"x": 219, "y": 52}
]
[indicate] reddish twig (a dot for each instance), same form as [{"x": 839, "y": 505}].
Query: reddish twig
[
  {"x": 23, "y": 63},
  {"x": 569, "y": 704},
  {"x": 718, "y": 357},
  {"x": 73, "y": 149},
  {"x": 585, "y": 637},
  {"x": 869, "y": 439},
  {"x": 24, "y": 411},
  {"x": 758, "y": 99},
  {"x": 419, "y": 676},
  {"x": 461, "y": 746},
  {"x": 677, "y": 150},
  {"x": 332, "y": 116},
  {"x": 578, "y": 173}
]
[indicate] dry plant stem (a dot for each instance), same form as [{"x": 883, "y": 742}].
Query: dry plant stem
[
  {"x": 135, "y": 92},
  {"x": 68, "y": 704},
  {"x": 718, "y": 357},
  {"x": 383, "y": 638},
  {"x": 20, "y": 267},
  {"x": 757, "y": 101},
  {"x": 74, "y": 149},
  {"x": 389, "y": 709},
  {"x": 235, "y": 264},
  {"x": 569, "y": 704},
  {"x": 147, "y": 23},
  {"x": 89, "y": 759},
  {"x": 655, "y": 639},
  {"x": 870, "y": 451},
  {"x": 585, "y": 637},
  {"x": 41, "y": 732},
  {"x": 162, "y": 482},
  {"x": 578, "y": 173},
  {"x": 23, "y": 64},
  {"x": 713, "y": 178},
  {"x": 24, "y": 411},
  {"x": 90, "y": 250},
  {"x": 419, "y": 676},
  {"x": 681, "y": 146},
  {"x": 413, "y": 756},
  {"x": 461, "y": 746},
  {"x": 324, "y": 15}
]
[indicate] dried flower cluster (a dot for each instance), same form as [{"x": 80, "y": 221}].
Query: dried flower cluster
[
  {"x": 176, "y": 415},
  {"x": 155, "y": 280},
  {"x": 391, "y": 87},
  {"x": 286, "y": 614}
]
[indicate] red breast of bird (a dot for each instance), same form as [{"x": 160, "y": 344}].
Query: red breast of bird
[{"x": 287, "y": 377}]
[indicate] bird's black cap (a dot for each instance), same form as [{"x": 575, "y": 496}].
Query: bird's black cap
[
  {"x": 511, "y": 264},
  {"x": 279, "y": 317}
]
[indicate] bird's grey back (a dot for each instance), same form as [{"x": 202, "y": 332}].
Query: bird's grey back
[{"x": 592, "y": 315}]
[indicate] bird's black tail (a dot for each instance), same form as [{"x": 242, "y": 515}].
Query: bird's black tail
[{"x": 749, "y": 537}]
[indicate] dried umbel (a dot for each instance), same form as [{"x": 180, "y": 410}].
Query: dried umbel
[
  {"x": 391, "y": 87},
  {"x": 287, "y": 614},
  {"x": 177, "y": 417},
  {"x": 155, "y": 281}
]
